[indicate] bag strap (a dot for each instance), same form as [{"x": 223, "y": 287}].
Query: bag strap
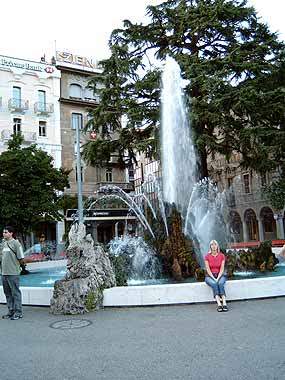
[{"x": 13, "y": 251}]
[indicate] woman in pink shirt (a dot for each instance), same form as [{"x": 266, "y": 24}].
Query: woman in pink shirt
[{"x": 215, "y": 278}]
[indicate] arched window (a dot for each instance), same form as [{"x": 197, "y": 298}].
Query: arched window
[
  {"x": 235, "y": 223},
  {"x": 109, "y": 175},
  {"x": 75, "y": 91},
  {"x": 268, "y": 222},
  {"x": 251, "y": 222}
]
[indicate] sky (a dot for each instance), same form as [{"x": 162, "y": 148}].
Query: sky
[{"x": 31, "y": 28}]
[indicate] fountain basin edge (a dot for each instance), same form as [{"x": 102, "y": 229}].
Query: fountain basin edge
[{"x": 169, "y": 294}]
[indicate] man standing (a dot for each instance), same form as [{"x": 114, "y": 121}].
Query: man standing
[{"x": 11, "y": 257}]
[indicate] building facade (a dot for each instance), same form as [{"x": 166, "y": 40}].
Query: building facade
[
  {"x": 75, "y": 100},
  {"x": 29, "y": 94},
  {"x": 250, "y": 217}
]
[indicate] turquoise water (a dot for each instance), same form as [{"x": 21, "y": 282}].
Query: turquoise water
[
  {"x": 47, "y": 276},
  {"x": 279, "y": 271},
  {"x": 42, "y": 277}
]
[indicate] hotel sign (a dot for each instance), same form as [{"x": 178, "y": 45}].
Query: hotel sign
[
  {"x": 74, "y": 59},
  {"x": 25, "y": 65},
  {"x": 101, "y": 213}
]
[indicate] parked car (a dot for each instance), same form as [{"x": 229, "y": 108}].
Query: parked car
[{"x": 48, "y": 250}]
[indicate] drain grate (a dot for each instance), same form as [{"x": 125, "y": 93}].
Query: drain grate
[{"x": 70, "y": 324}]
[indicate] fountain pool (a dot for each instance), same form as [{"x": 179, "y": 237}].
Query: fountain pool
[
  {"x": 46, "y": 276},
  {"x": 37, "y": 288},
  {"x": 43, "y": 276}
]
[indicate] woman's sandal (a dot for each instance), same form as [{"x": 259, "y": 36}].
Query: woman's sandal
[
  {"x": 220, "y": 308},
  {"x": 225, "y": 308}
]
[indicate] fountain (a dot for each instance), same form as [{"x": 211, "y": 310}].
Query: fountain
[
  {"x": 189, "y": 226},
  {"x": 135, "y": 260},
  {"x": 199, "y": 202},
  {"x": 191, "y": 210},
  {"x": 187, "y": 213},
  {"x": 178, "y": 157},
  {"x": 89, "y": 272},
  {"x": 115, "y": 192}
]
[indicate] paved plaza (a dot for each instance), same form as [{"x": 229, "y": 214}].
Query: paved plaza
[{"x": 171, "y": 342}]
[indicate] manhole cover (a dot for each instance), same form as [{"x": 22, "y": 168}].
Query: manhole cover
[{"x": 71, "y": 324}]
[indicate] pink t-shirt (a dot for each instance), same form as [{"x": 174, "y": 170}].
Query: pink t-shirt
[{"x": 215, "y": 262}]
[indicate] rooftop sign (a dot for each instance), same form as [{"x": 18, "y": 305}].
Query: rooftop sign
[
  {"x": 75, "y": 60},
  {"x": 25, "y": 65}
]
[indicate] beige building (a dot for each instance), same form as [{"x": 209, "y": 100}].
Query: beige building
[
  {"x": 75, "y": 98},
  {"x": 250, "y": 217}
]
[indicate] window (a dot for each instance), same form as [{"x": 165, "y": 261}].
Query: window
[
  {"x": 263, "y": 179},
  {"x": 81, "y": 173},
  {"x": 131, "y": 174},
  {"x": 230, "y": 182},
  {"x": 16, "y": 96},
  {"x": 76, "y": 120},
  {"x": 142, "y": 173},
  {"x": 109, "y": 175},
  {"x": 42, "y": 100},
  {"x": 246, "y": 183},
  {"x": 75, "y": 91},
  {"x": 268, "y": 225},
  {"x": 17, "y": 125},
  {"x": 88, "y": 94},
  {"x": 42, "y": 129}
]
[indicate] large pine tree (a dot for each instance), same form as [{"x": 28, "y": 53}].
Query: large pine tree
[{"x": 234, "y": 71}]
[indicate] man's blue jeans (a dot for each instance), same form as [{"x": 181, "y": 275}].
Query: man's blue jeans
[
  {"x": 217, "y": 287},
  {"x": 13, "y": 293}
]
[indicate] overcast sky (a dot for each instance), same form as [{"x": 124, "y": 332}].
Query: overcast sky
[{"x": 29, "y": 28}]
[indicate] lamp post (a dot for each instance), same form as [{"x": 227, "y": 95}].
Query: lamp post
[
  {"x": 278, "y": 217},
  {"x": 78, "y": 172}
]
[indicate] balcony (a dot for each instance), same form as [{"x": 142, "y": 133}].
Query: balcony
[
  {"x": 29, "y": 137},
  {"x": 18, "y": 105},
  {"x": 126, "y": 186},
  {"x": 43, "y": 108}
]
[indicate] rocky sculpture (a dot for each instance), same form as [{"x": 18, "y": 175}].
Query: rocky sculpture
[
  {"x": 89, "y": 272},
  {"x": 177, "y": 252}
]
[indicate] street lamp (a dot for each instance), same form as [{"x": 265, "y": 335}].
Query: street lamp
[{"x": 78, "y": 172}]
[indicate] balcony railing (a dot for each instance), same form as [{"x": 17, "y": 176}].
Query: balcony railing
[
  {"x": 6, "y": 134},
  {"x": 18, "y": 105},
  {"x": 43, "y": 108}
]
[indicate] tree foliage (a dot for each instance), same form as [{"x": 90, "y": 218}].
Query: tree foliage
[
  {"x": 275, "y": 192},
  {"x": 234, "y": 71},
  {"x": 29, "y": 186}
]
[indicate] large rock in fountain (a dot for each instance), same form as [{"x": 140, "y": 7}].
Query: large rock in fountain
[
  {"x": 89, "y": 272},
  {"x": 177, "y": 252}
]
